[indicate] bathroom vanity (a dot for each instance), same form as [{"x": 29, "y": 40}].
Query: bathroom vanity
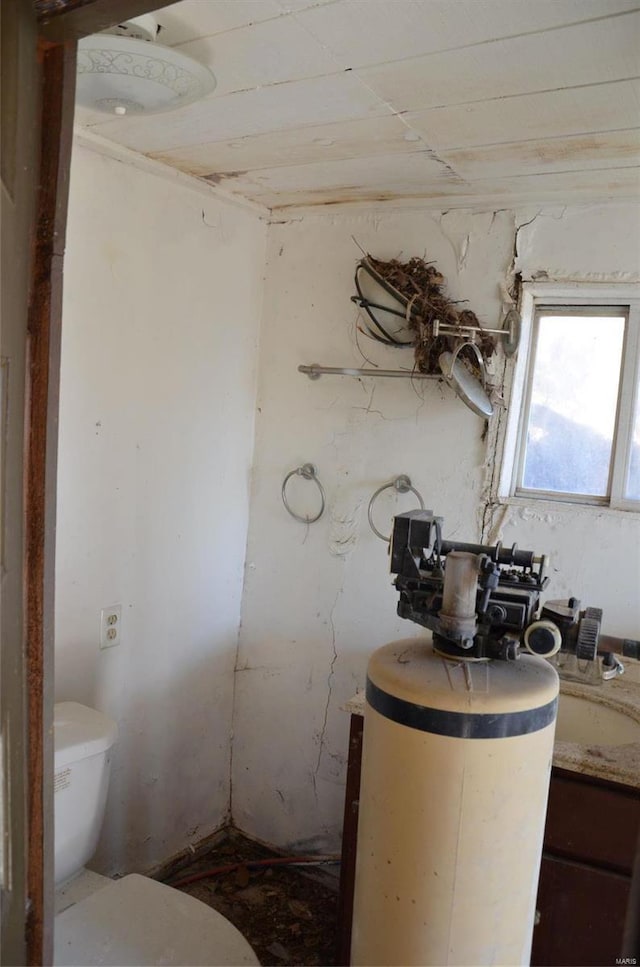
[
  {"x": 593, "y": 823},
  {"x": 589, "y": 845}
]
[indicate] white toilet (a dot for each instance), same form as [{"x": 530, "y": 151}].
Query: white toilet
[{"x": 134, "y": 920}]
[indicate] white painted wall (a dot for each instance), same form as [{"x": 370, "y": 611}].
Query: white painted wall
[
  {"x": 162, "y": 307},
  {"x": 595, "y": 553},
  {"x": 318, "y": 600},
  {"x": 163, "y": 294}
]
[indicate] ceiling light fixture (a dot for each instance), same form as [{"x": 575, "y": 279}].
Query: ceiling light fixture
[{"x": 124, "y": 71}]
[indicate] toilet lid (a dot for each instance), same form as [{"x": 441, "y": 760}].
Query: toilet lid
[{"x": 138, "y": 921}]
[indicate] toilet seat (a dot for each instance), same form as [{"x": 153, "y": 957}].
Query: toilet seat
[{"x": 138, "y": 921}]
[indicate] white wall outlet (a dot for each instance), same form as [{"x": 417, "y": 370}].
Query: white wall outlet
[{"x": 111, "y": 626}]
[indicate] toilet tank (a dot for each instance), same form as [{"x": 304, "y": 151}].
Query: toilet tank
[{"x": 83, "y": 739}]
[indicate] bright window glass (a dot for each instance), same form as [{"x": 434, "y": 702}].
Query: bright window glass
[
  {"x": 573, "y": 402},
  {"x": 632, "y": 490}
]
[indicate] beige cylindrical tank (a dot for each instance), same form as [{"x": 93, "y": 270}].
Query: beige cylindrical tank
[{"x": 455, "y": 778}]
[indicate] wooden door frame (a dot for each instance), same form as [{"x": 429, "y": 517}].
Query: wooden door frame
[{"x": 61, "y": 23}]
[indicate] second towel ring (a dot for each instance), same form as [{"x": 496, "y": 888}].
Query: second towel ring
[
  {"x": 309, "y": 472},
  {"x": 402, "y": 485}
]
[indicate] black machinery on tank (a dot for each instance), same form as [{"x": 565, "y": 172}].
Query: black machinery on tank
[{"x": 483, "y": 601}]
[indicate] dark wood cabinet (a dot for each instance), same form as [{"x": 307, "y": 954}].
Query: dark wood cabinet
[
  {"x": 585, "y": 878},
  {"x": 349, "y": 842},
  {"x": 580, "y": 913},
  {"x": 590, "y": 837}
]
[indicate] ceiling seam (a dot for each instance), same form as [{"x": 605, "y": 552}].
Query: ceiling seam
[
  {"x": 252, "y": 23},
  {"x": 564, "y": 171},
  {"x": 414, "y": 204},
  {"x": 404, "y": 153},
  {"x": 297, "y": 14},
  {"x": 479, "y": 43},
  {"x": 394, "y": 113}
]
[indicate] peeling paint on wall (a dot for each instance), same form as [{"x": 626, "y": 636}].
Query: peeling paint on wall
[
  {"x": 332, "y": 594},
  {"x": 589, "y": 244}
]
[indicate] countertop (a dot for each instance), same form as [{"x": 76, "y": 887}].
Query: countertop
[{"x": 617, "y": 763}]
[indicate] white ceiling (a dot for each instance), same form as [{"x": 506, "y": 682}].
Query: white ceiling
[{"x": 446, "y": 103}]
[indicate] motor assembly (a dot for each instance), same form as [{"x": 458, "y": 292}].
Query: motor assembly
[{"x": 483, "y": 601}]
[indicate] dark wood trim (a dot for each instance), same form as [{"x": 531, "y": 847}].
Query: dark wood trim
[
  {"x": 63, "y": 20},
  {"x": 349, "y": 842},
  {"x": 60, "y": 23},
  {"x": 631, "y": 938},
  {"x": 629, "y": 792},
  {"x": 19, "y": 136},
  {"x": 58, "y": 64}
]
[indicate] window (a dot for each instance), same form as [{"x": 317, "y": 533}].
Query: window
[{"x": 573, "y": 432}]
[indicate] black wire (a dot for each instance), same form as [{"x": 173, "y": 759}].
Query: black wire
[{"x": 365, "y": 304}]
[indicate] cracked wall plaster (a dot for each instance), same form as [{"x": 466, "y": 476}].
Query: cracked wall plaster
[
  {"x": 590, "y": 244},
  {"x": 320, "y": 599},
  {"x": 162, "y": 299}
]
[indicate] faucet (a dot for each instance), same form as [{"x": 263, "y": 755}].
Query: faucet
[
  {"x": 584, "y": 654},
  {"x": 587, "y": 671},
  {"x": 610, "y": 666}
]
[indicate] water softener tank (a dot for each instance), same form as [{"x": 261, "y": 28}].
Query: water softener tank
[{"x": 455, "y": 777}]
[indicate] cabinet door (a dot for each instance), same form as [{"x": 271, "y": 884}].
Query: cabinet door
[
  {"x": 575, "y": 829},
  {"x": 581, "y": 915}
]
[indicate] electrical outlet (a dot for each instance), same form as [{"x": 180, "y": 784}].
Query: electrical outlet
[{"x": 111, "y": 626}]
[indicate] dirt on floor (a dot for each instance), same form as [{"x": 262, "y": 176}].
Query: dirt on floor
[{"x": 288, "y": 914}]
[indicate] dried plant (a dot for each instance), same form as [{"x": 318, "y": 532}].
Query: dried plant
[{"x": 421, "y": 289}]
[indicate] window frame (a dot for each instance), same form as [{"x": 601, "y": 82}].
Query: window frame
[{"x": 541, "y": 297}]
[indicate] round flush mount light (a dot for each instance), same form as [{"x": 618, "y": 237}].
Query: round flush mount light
[{"x": 124, "y": 71}]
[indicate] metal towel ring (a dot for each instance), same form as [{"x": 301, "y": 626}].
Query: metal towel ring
[
  {"x": 309, "y": 472},
  {"x": 401, "y": 485}
]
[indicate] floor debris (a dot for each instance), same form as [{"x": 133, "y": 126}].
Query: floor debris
[{"x": 288, "y": 914}]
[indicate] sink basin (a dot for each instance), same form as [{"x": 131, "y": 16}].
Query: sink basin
[{"x": 587, "y": 722}]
